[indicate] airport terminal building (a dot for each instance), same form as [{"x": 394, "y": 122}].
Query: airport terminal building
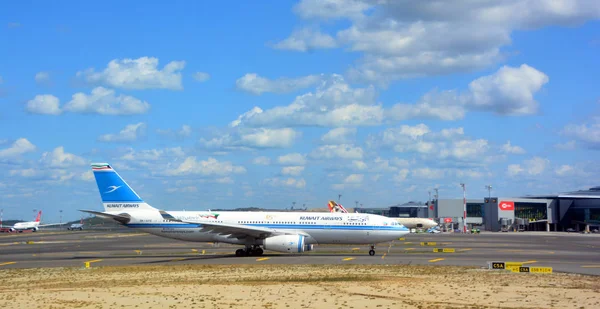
[{"x": 579, "y": 210}]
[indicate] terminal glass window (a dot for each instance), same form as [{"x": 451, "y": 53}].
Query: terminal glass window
[
  {"x": 474, "y": 210},
  {"x": 531, "y": 211}
]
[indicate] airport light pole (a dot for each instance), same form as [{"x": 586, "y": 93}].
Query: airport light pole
[
  {"x": 60, "y": 225},
  {"x": 339, "y": 198},
  {"x": 1, "y": 214},
  {"x": 464, "y": 207},
  {"x": 489, "y": 187}
]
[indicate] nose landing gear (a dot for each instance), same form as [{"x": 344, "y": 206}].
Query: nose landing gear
[{"x": 372, "y": 251}]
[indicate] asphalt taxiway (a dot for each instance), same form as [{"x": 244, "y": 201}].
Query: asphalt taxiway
[{"x": 574, "y": 253}]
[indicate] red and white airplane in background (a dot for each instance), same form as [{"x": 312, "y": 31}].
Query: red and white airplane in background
[
  {"x": 411, "y": 223},
  {"x": 34, "y": 226}
]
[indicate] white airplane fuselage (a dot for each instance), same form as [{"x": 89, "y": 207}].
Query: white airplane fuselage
[
  {"x": 23, "y": 226},
  {"x": 320, "y": 228},
  {"x": 415, "y": 223}
]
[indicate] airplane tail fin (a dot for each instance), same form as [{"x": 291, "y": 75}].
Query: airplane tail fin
[
  {"x": 116, "y": 194},
  {"x": 39, "y": 216},
  {"x": 335, "y": 207}
]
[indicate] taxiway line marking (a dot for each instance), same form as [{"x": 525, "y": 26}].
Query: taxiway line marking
[
  {"x": 262, "y": 259},
  {"x": 409, "y": 249},
  {"x": 94, "y": 261},
  {"x": 348, "y": 259},
  {"x": 8, "y": 263},
  {"x": 463, "y": 250},
  {"x": 383, "y": 256},
  {"x": 436, "y": 260},
  {"x": 529, "y": 262},
  {"x": 590, "y": 266},
  {"x": 178, "y": 259}
]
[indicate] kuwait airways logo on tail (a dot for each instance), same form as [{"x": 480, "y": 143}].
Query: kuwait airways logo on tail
[{"x": 112, "y": 189}]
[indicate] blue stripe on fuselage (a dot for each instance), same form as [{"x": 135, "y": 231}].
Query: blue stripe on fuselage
[{"x": 274, "y": 226}]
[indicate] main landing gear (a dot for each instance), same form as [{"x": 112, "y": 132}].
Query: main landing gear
[
  {"x": 249, "y": 251},
  {"x": 372, "y": 251}
]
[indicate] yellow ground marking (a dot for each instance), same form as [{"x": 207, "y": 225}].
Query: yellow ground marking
[
  {"x": 9, "y": 244},
  {"x": 529, "y": 262},
  {"x": 355, "y": 249},
  {"x": 139, "y": 252},
  {"x": 7, "y": 263},
  {"x": 446, "y": 243},
  {"x": 348, "y": 259},
  {"x": 436, "y": 260},
  {"x": 203, "y": 251},
  {"x": 408, "y": 243},
  {"x": 409, "y": 249},
  {"x": 262, "y": 259},
  {"x": 590, "y": 266},
  {"x": 90, "y": 252},
  {"x": 463, "y": 250},
  {"x": 194, "y": 250},
  {"x": 401, "y": 238},
  {"x": 87, "y": 263},
  {"x": 383, "y": 256},
  {"x": 179, "y": 259}
]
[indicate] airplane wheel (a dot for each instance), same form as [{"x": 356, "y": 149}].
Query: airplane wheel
[
  {"x": 372, "y": 252},
  {"x": 258, "y": 251},
  {"x": 240, "y": 252}
]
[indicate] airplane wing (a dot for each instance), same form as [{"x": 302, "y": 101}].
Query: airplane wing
[
  {"x": 234, "y": 230},
  {"x": 51, "y": 224},
  {"x": 119, "y": 218}
]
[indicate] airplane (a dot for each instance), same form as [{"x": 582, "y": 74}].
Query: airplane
[
  {"x": 34, "y": 226},
  {"x": 287, "y": 232},
  {"x": 411, "y": 223}
]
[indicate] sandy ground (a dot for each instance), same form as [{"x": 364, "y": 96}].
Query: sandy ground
[{"x": 293, "y": 286}]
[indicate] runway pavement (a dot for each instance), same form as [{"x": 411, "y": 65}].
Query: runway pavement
[{"x": 575, "y": 253}]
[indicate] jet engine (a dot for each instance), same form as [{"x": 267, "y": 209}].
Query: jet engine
[
  {"x": 35, "y": 229},
  {"x": 286, "y": 244}
]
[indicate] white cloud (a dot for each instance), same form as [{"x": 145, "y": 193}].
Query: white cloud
[
  {"x": 19, "y": 147},
  {"x": 403, "y": 39},
  {"x": 342, "y": 151},
  {"x": 104, "y": 102},
  {"x": 339, "y": 136},
  {"x": 42, "y": 77},
  {"x": 58, "y": 158},
  {"x": 428, "y": 173},
  {"x": 166, "y": 154},
  {"x": 333, "y": 104},
  {"x": 247, "y": 138},
  {"x": 508, "y": 148},
  {"x": 401, "y": 175},
  {"x": 292, "y": 170},
  {"x": 261, "y": 160},
  {"x": 588, "y": 134},
  {"x": 292, "y": 159},
  {"x": 570, "y": 145},
  {"x": 533, "y": 167},
  {"x": 209, "y": 167},
  {"x": 46, "y": 104},
  {"x": 87, "y": 176},
  {"x": 201, "y": 76},
  {"x": 509, "y": 91},
  {"x": 289, "y": 182},
  {"x": 141, "y": 73},
  {"x": 185, "y": 131},
  {"x": 354, "y": 179},
  {"x": 306, "y": 39},
  {"x": 359, "y": 165},
  {"x": 130, "y": 133},
  {"x": 331, "y": 9},
  {"x": 257, "y": 85},
  {"x": 564, "y": 170}
]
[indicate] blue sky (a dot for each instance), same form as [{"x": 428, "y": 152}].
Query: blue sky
[{"x": 230, "y": 104}]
